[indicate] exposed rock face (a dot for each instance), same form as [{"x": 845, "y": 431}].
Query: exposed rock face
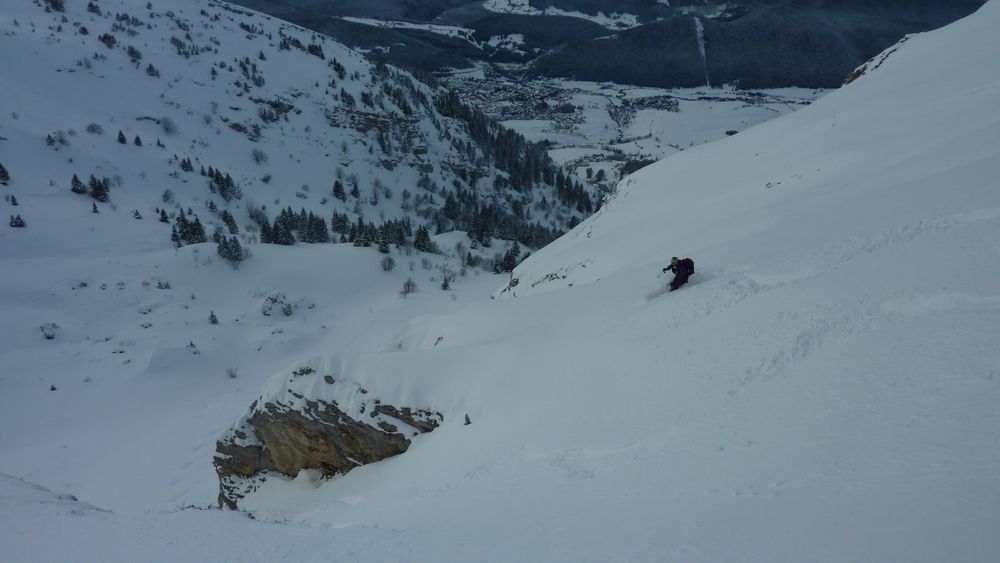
[{"x": 287, "y": 433}]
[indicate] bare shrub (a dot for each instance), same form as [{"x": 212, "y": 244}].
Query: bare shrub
[
  {"x": 168, "y": 125},
  {"x": 388, "y": 264},
  {"x": 409, "y": 286}
]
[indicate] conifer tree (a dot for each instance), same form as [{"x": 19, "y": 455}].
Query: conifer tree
[
  {"x": 121, "y": 138},
  {"x": 510, "y": 258},
  {"x": 230, "y": 222},
  {"x": 137, "y": 141},
  {"x": 17, "y": 222},
  {"x": 4, "y": 176},
  {"x": 338, "y": 191},
  {"x": 197, "y": 232},
  {"x": 93, "y": 208},
  {"x": 163, "y": 216},
  {"x": 99, "y": 189},
  {"x": 229, "y": 249},
  {"x": 265, "y": 233},
  {"x": 76, "y": 186},
  {"x": 422, "y": 240},
  {"x": 281, "y": 234}
]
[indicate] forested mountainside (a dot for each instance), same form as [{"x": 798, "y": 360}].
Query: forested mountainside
[{"x": 750, "y": 43}]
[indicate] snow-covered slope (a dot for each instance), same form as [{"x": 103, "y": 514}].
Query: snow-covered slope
[
  {"x": 284, "y": 112},
  {"x": 886, "y": 159},
  {"x": 825, "y": 389},
  {"x": 127, "y": 312}
]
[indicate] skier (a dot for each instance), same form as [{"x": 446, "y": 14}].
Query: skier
[{"x": 682, "y": 270}]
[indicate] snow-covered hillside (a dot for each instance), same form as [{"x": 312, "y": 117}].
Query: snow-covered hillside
[
  {"x": 287, "y": 119},
  {"x": 825, "y": 389},
  {"x": 285, "y": 114}
]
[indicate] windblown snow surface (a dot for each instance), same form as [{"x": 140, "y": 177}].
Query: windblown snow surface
[{"x": 826, "y": 389}]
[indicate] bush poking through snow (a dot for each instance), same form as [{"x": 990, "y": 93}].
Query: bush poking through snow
[
  {"x": 388, "y": 264},
  {"x": 49, "y": 330},
  {"x": 168, "y": 125},
  {"x": 232, "y": 372},
  {"x": 276, "y": 299},
  {"x": 409, "y": 286}
]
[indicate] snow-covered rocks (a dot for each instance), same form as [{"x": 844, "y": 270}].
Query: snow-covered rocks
[
  {"x": 306, "y": 419},
  {"x": 49, "y": 330}
]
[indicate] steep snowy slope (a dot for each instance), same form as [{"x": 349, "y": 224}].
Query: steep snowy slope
[{"x": 826, "y": 389}]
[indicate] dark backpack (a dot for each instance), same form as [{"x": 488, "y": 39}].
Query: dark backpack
[{"x": 690, "y": 265}]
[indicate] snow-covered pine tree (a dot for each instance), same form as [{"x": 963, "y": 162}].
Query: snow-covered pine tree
[
  {"x": 99, "y": 189},
  {"x": 281, "y": 234},
  {"x": 422, "y": 240},
  {"x": 265, "y": 233},
  {"x": 230, "y": 222},
  {"x": 76, "y": 186},
  {"x": 197, "y": 232}
]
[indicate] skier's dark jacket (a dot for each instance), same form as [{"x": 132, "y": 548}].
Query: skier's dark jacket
[{"x": 680, "y": 270}]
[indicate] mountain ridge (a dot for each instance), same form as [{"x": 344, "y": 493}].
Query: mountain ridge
[{"x": 751, "y": 44}]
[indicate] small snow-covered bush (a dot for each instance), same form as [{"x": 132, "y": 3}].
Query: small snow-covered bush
[
  {"x": 168, "y": 125},
  {"x": 409, "y": 286},
  {"x": 49, "y": 330},
  {"x": 388, "y": 264}
]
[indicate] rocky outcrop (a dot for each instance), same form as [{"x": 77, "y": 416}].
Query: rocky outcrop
[{"x": 287, "y": 432}]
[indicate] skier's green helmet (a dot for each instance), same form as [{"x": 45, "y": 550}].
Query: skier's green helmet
[{"x": 674, "y": 260}]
